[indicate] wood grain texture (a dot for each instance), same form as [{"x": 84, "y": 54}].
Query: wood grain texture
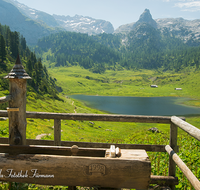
[
  {"x": 17, "y": 120},
  {"x": 164, "y": 180},
  {"x": 190, "y": 129},
  {"x": 129, "y": 171},
  {"x": 95, "y": 117},
  {"x": 51, "y": 150},
  {"x": 150, "y": 148},
  {"x": 57, "y": 132},
  {"x": 173, "y": 143},
  {"x": 100, "y": 117}
]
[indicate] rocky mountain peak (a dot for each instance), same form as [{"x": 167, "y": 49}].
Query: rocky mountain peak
[{"x": 146, "y": 17}]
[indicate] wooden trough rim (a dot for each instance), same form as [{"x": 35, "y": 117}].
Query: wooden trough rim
[
  {"x": 52, "y": 150},
  {"x": 150, "y": 148},
  {"x": 122, "y": 154}
]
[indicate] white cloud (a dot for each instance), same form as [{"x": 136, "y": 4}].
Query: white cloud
[{"x": 188, "y": 5}]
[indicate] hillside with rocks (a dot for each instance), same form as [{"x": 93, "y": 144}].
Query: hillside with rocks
[{"x": 186, "y": 30}]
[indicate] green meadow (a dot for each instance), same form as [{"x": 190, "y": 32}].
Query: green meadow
[{"x": 76, "y": 80}]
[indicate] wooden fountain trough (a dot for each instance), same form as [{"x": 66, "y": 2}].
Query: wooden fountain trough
[{"x": 74, "y": 166}]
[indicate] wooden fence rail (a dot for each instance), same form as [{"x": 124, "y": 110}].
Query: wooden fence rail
[
  {"x": 95, "y": 117},
  {"x": 188, "y": 128},
  {"x": 190, "y": 176}
]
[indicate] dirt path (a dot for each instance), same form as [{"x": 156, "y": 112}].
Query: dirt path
[{"x": 74, "y": 107}]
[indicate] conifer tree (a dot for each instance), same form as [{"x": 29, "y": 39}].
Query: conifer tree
[{"x": 2, "y": 48}]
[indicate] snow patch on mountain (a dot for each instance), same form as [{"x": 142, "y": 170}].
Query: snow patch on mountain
[{"x": 84, "y": 24}]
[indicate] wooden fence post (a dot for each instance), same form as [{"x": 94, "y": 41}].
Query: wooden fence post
[
  {"x": 173, "y": 144},
  {"x": 17, "y": 105},
  {"x": 57, "y": 132}
]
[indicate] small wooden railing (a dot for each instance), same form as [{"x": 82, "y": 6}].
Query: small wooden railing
[{"x": 173, "y": 121}]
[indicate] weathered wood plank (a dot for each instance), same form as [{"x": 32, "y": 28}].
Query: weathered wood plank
[
  {"x": 4, "y": 140},
  {"x": 188, "y": 128},
  {"x": 77, "y": 171},
  {"x": 51, "y": 150},
  {"x": 163, "y": 180},
  {"x": 173, "y": 143},
  {"x": 190, "y": 176},
  {"x": 3, "y": 113},
  {"x": 17, "y": 119},
  {"x": 57, "y": 132},
  {"x": 150, "y": 148},
  {"x": 95, "y": 117},
  {"x": 5, "y": 99},
  {"x": 99, "y": 117}
]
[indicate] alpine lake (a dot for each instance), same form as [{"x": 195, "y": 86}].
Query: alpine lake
[{"x": 157, "y": 106}]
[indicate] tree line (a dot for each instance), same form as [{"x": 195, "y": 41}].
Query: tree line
[
  {"x": 143, "y": 48},
  {"x": 70, "y": 48},
  {"x": 12, "y": 44}
]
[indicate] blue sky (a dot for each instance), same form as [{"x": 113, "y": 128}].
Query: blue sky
[{"x": 119, "y": 12}]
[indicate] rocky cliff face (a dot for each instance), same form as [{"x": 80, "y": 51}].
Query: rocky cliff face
[{"x": 188, "y": 31}]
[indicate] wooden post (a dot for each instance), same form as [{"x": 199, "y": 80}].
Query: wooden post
[
  {"x": 173, "y": 144},
  {"x": 57, "y": 132},
  {"x": 17, "y": 105}
]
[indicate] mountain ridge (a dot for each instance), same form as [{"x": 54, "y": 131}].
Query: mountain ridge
[
  {"x": 34, "y": 24},
  {"x": 67, "y": 23},
  {"x": 52, "y": 23},
  {"x": 186, "y": 30}
]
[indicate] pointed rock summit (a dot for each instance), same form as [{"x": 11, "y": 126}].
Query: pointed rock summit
[{"x": 146, "y": 17}]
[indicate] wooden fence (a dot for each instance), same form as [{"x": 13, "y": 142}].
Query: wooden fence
[
  {"x": 173, "y": 121},
  {"x": 17, "y": 115}
]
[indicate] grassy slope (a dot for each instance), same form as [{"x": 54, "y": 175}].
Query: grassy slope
[
  {"x": 122, "y": 83},
  {"x": 75, "y": 80}
]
